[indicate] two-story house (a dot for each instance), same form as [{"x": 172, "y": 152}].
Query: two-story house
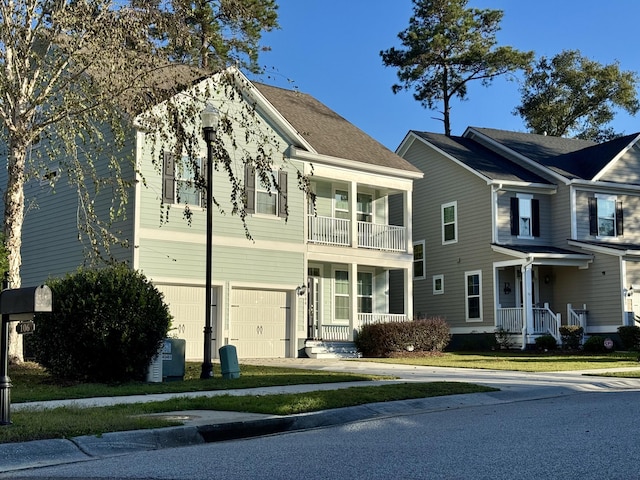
[
  {"x": 310, "y": 271},
  {"x": 525, "y": 232}
]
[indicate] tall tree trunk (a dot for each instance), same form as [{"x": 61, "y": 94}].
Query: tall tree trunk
[{"x": 13, "y": 220}]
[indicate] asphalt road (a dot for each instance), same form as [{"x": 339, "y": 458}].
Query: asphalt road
[
  {"x": 585, "y": 436},
  {"x": 557, "y": 425}
]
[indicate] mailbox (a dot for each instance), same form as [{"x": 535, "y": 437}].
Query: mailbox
[{"x": 21, "y": 302}]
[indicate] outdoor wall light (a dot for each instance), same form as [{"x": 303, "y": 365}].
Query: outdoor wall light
[{"x": 507, "y": 288}]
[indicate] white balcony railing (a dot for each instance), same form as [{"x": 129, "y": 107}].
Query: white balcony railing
[
  {"x": 337, "y": 231},
  {"x": 381, "y": 237},
  {"x": 328, "y": 231}
]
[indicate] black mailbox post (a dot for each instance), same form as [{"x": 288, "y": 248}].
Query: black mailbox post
[{"x": 17, "y": 304}]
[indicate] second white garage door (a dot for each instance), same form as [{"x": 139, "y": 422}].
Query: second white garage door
[{"x": 259, "y": 324}]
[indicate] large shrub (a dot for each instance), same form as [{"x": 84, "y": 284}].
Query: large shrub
[
  {"x": 106, "y": 326},
  {"x": 571, "y": 336},
  {"x": 383, "y": 339},
  {"x": 630, "y": 337}
]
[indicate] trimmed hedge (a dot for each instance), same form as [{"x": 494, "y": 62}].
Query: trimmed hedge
[
  {"x": 571, "y": 336},
  {"x": 546, "y": 342},
  {"x": 630, "y": 337},
  {"x": 106, "y": 326},
  {"x": 383, "y": 339}
]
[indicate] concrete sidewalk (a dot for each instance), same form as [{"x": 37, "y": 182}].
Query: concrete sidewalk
[{"x": 211, "y": 426}]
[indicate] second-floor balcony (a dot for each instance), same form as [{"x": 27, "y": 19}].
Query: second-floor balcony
[{"x": 337, "y": 231}]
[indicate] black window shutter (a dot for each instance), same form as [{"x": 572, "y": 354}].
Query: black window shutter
[
  {"x": 282, "y": 195},
  {"x": 535, "y": 217},
  {"x": 619, "y": 220},
  {"x": 168, "y": 177},
  {"x": 250, "y": 189},
  {"x": 515, "y": 216},
  {"x": 593, "y": 216}
]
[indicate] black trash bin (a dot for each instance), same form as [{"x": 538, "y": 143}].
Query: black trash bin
[{"x": 229, "y": 362}]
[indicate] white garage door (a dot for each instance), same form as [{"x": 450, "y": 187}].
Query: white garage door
[
  {"x": 186, "y": 304},
  {"x": 259, "y": 326}
]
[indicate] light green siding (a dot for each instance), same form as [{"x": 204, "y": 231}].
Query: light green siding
[{"x": 53, "y": 217}]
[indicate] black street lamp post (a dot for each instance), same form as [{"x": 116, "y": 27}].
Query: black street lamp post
[{"x": 210, "y": 117}]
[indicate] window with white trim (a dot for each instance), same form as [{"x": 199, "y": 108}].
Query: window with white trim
[
  {"x": 605, "y": 216},
  {"x": 438, "y": 284},
  {"x": 179, "y": 181},
  {"x": 449, "y": 213},
  {"x": 341, "y": 295},
  {"x": 525, "y": 216},
  {"x": 263, "y": 198},
  {"x": 419, "y": 264},
  {"x": 365, "y": 292},
  {"x": 341, "y": 204},
  {"x": 364, "y": 205},
  {"x": 473, "y": 294}
]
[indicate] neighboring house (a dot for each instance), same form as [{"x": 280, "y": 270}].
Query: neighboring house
[
  {"x": 526, "y": 232},
  {"x": 304, "y": 275}
]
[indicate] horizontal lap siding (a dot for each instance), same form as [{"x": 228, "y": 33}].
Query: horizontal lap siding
[
  {"x": 446, "y": 182},
  {"x": 51, "y": 247},
  {"x": 630, "y": 205},
  {"x": 187, "y": 261}
]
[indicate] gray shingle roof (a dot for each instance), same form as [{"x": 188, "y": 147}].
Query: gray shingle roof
[
  {"x": 570, "y": 157},
  {"x": 329, "y": 133},
  {"x": 481, "y": 159}
]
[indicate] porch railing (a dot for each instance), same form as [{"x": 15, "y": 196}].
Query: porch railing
[
  {"x": 337, "y": 231},
  {"x": 344, "y": 333},
  {"x": 510, "y": 319},
  {"x": 577, "y": 316},
  {"x": 545, "y": 321}
]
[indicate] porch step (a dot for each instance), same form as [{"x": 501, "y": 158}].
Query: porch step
[{"x": 321, "y": 349}]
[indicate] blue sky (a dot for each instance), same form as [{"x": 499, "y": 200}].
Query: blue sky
[{"x": 330, "y": 50}]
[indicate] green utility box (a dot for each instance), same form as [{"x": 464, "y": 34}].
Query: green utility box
[
  {"x": 173, "y": 359},
  {"x": 229, "y": 362}
]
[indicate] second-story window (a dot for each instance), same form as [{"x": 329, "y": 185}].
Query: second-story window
[
  {"x": 365, "y": 207},
  {"x": 265, "y": 199},
  {"x": 449, "y": 222},
  {"x": 341, "y": 204},
  {"x": 178, "y": 181},
  {"x": 605, "y": 216},
  {"x": 525, "y": 216}
]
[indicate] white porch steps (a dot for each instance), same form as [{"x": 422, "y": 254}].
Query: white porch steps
[{"x": 321, "y": 349}]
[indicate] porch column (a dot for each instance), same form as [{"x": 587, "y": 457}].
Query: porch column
[
  {"x": 528, "y": 299},
  {"x": 353, "y": 284},
  {"x": 353, "y": 210},
  {"x": 408, "y": 296},
  {"x": 407, "y": 221}
]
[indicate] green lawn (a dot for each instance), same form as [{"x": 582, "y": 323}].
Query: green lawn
[
  {"x": 525, "y": 361},
  {"x": 31, "y": 383}
]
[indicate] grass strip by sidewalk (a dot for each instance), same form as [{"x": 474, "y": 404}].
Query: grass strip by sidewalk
[
  {"x": 31, "y": 383},
  {"x": 66, "y": 422},
  {"x": 524, "y": 361}
]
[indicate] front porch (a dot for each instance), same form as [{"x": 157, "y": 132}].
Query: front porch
[
  {"x": 541, "y": 321},
  {"x": 337, "y": 341}
]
